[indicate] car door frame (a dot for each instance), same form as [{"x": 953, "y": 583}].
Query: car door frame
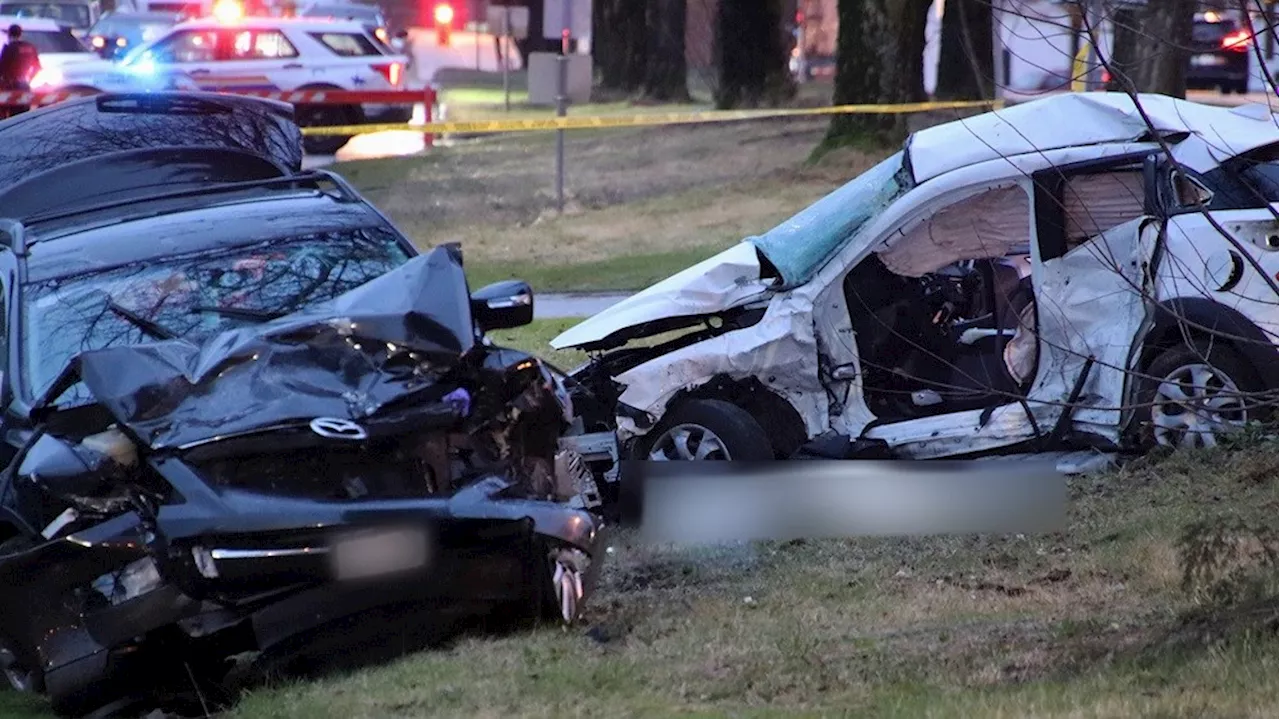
[{"x": 1035, "y": 424}]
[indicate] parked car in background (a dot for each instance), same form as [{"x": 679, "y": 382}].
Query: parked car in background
[
  {"x": 1221, "y": 49},
  {"x": 1039, "y": 278},
  {"x": 370, "y": 16},
  {"x": 314, "y": 445},
  {"x": 119, "y": 31},
  {"x": 75, "y": 15},
  {"x": 68, "y": 64},
  {"x": 284, "y": 54}
]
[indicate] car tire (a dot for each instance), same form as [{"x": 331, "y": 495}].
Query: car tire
[
  {"x": 1200, "y": 372},
  {"x": 707, "y": 429},
  {"x": 323, "y": 116}
]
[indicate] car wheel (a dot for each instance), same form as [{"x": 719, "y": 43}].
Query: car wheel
[
  {"x": 322, "y": 116},
  {"x": 708, "y": 429},
  {"x": 1193, "y": 395}
]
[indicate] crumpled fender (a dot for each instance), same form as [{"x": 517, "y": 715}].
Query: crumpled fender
[{"x": 780, "y": 350}]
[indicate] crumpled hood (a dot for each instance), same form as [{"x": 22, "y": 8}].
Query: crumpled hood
[
  {"x": 328, "y": 361},
  {"x": 727, "y": 280}
]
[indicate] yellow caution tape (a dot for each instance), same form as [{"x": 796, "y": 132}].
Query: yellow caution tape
[{"x": 647, "y": 119}]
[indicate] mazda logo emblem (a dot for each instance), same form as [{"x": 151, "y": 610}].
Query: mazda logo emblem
[{"x": 336, "y": 428}]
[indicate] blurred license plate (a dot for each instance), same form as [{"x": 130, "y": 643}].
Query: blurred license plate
[
  {"x": 1208, "y": 60},
  {"x": 376, "y": 554}
]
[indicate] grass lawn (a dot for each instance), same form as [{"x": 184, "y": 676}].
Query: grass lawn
[
  {"x": 1089, "y": 622},
  {"x": 642, "y": 203}
]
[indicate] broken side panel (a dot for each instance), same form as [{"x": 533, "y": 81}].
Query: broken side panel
[{"x": 1092, "y": 302}]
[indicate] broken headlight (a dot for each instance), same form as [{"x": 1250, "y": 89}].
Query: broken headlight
[{"x": 134, "y": 580}]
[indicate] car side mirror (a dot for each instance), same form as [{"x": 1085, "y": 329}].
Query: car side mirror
[{"x": 502, "y": 305}]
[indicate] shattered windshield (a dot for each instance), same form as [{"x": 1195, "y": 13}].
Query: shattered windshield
[
  {"x": 193, "y": 297},
  {"x": 800, "y": 246}
]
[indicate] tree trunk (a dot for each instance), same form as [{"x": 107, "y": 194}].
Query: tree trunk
[
  {"x": 619, "y": 42},
  {"x": 751, "y": 54},
  {"x": 879, "y": 59},
  {"x": 666, "y": 72},
  {"x": 966, "y": 68},
  {"x": 1150, "y": 48}
]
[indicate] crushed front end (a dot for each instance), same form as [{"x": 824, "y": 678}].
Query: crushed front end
[{"x": 308, "y": 478}]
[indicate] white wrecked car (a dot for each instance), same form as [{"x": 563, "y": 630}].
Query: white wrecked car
[{"x": 1037, "y": 278}]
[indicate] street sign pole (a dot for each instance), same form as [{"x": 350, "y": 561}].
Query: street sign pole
[{"x": 562, "y": 99}]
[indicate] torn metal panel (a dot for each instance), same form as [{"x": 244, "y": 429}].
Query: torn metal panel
[
  {"x": 963, "y": 432},
  {"x": 727, "y": 280},
  {"x": 780, "y": 351},
  {"x": 1092, "y": 302}
]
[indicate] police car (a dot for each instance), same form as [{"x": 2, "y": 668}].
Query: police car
[
  {"x": 284, "y": 54},
  {"x": 67, "y": 65}
]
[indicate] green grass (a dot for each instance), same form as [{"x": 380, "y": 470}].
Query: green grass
[
  {"x": 641, "y": 204},
  {"x": 922, "y": 627},
  {"x": 534, "y": 338},
  {"x": 624, "y": 272},
  {"x": 20, "y": 706}
]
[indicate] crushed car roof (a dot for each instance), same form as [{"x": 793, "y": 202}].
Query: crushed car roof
[{"x": 1079, "y": 119}]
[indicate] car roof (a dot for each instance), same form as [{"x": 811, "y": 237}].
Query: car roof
[
  {"x": 305, "y": 24},
  {"x": 1088, "y": 119},
  {"x": 35, "y": 24},
  {"x": 228, "y": 222}
]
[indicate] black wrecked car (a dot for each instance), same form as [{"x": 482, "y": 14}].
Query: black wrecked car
[{"x": 242, "y": 414}]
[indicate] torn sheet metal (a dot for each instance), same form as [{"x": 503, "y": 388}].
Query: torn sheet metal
[
  {"x": 1079, "y": 119},
  {"x": 385, "y": 340},
  {"x": 1092, "y": 302},
  {"x": 727, "y": 280},
  {"x": 780, "y": 350}
]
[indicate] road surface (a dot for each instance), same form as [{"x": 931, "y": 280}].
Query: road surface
[{"x": 554, "y": 305}]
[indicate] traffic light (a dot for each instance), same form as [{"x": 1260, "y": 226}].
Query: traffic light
[{"x": 443, "y": 16}]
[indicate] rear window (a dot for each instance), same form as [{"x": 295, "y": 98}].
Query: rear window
[
  {"x": 1212, "y": 31},
  {"x": 47, "y": 42},
  {"x": 347, "y": 44}
]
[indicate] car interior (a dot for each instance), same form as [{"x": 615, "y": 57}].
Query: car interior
[{"x": 944, "y": 312}]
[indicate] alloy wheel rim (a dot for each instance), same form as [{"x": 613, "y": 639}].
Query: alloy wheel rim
[
  {"x": 688, "y": 442},
  {"x": 1194, "y": 404}
]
